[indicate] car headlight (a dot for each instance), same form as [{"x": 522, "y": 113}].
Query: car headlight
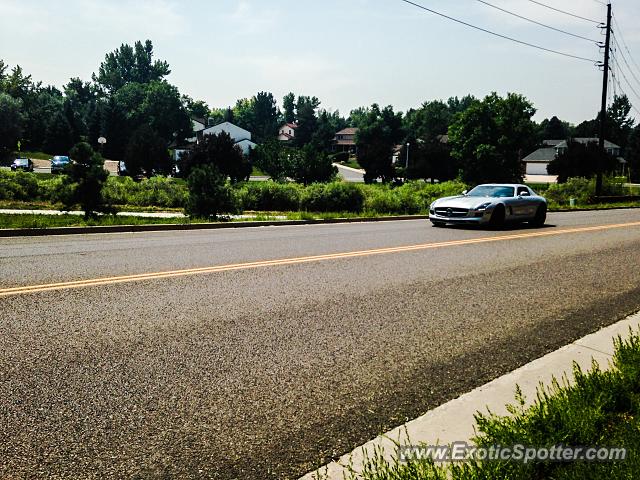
[{"x": 483, "y": 207}]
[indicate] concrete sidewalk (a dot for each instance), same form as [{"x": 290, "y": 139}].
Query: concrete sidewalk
[{"x": 454, "y": 421}]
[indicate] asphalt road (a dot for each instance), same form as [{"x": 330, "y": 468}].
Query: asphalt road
[{"x": 265, "y": 371}]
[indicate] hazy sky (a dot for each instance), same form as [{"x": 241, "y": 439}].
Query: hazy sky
[{"x": 348, "y": 53}]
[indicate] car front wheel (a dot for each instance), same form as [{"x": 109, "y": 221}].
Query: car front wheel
[
  {"x": 541, "y": 216},
  {"x": 497, "y": 217}
]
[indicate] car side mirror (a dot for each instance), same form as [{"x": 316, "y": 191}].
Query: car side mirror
[
  {"x": 523, "y": 194},
  {"x": 464, "y": 192}
]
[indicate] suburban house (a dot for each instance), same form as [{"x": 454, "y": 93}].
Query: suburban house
[
  {"x": 345, "y": 140},
  {"x": 536, "y": 163},
  {"x": 197, "y": 124},
  {"x": 287, "y": 132},
  {"x": 240, "y": 136}
]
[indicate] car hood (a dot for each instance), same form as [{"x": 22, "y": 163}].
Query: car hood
[{"x": 461, "y": 201}]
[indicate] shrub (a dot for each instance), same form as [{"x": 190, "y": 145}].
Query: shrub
[
  {"x": 579, "y": 188},
  {"x": 209, "y": 193},
  {"x": 270, "y": 196},
  {"x": 332, "y": 197},
  {"x": 84, "y": 181},
  {"x": 18, "y": 186}
]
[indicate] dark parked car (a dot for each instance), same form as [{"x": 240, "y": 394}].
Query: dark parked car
[
  {"x": 122, "y": 168},
  {"x": 59, "y": 163},
  {"x": 24, "y": 164}
]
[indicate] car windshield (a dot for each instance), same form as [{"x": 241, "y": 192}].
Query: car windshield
[
  {"x": 21, "y": 161},
  {"x": 491, "y": 191}
]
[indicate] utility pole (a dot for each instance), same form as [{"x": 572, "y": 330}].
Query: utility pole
[{"x": 603, "y": 111}]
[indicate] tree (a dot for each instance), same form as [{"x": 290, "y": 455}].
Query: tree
[
  {"x": 429, "y": 159},
  {"x": 307, "y": 121},
  {"x": 84, "y": 181},
  {"x": 327, "y": 126},
  {"x": 220, "y": 151},
  {"x": 116, "y": 129},
  {"x": 580, "y": 160},
  {"x": 378, "y": 133},
  {"x": 489, "y": 138},
  {"x": 59, "y": 136},
  {"x": 243, "y": 114},
  {"x": 208, "y": 192},
  {"x": 147, "y": 153},
  {"x": 633, "y": 154},
  {"x": 196, "y": 108},
  {"x": 273, "y": 159},
  {"x": 311, "y": 165},
  {"x": 619, "y": 124},
  {"x": 265, "y": 117},
  {"x": 555, "y": 129},
  {"x": 130, "y": 65},
  {"x": 11, "y": 120},
  {"x": 289, "y": 106},
  {"x": 430, "y": 121}
]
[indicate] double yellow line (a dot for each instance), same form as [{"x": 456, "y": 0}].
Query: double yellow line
[{"x": 5, "y": 292}]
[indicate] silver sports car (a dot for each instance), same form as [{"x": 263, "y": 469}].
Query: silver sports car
[{"x": 492, "y": 204}]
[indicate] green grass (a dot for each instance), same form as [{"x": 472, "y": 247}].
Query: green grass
[
  {"x": 33, "y": 155},
  {"x": 600, "y": 408},
  {"x": 256, "y": 172},
  {"x": 52, "y": 221},
  {"x": 352, "y": 163}
]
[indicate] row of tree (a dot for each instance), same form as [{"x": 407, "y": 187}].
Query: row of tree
[{"x": 130, "y": 102}]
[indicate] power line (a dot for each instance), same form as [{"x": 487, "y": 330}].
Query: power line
[
  {"x": 536, "y": 22},
  {"x": 624, "y": 93},
  {"x": 521, "y": 42},
  {"x": 627, "y": 80},
  {"x": 619, "y": 31},
  {"x": 624, "y": 59},
  {"x": 565, "y": 12}
]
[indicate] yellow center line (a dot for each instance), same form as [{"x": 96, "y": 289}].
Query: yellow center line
[{"x": 5, "y": 292}]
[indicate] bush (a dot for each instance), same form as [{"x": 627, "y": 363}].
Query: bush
[
  {"x": 270, "y": 196},
  {"x": 332, "y": 197},
  {"x": 84, "y": 181},
  {"x": 156, "y": 191},
  {"x": 209, "y": 193},
  {"x": 410, "y": 198},
  {"x": 18, "y": 186}
]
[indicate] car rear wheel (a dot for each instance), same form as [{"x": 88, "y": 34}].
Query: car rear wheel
[
  {"x": 541, "y": 216},
  {"x": 497, "y": 217}
]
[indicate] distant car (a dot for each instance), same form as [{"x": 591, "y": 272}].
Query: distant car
[
  {"x": 59, "y": 163},
  {"x": 122, "y": 168},
  {"x": 24, "y": 164},
  {"x": 492, "y": 204}
]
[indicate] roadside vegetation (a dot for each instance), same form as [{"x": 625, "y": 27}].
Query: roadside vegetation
[
  {"x": 216, "y": 196},
  {"x": 600, "y": 408}
]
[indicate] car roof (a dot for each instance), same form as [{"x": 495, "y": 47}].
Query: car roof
[{"x": 501, "y": 185}]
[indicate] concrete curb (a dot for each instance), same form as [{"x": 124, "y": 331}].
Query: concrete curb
[
  {"x": 454, "y": 421},
  {"x": 160, "y": 227}
]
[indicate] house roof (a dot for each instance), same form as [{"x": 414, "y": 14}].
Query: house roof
[
  {"x": 583, "y": 140},
  {"x": 290, "y": 125},
  {"x": 348, "y": 131},
  {"x": 542, "y": 155}
]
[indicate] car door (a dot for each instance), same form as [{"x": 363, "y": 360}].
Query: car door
[{"x": 521, "y": 205}]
